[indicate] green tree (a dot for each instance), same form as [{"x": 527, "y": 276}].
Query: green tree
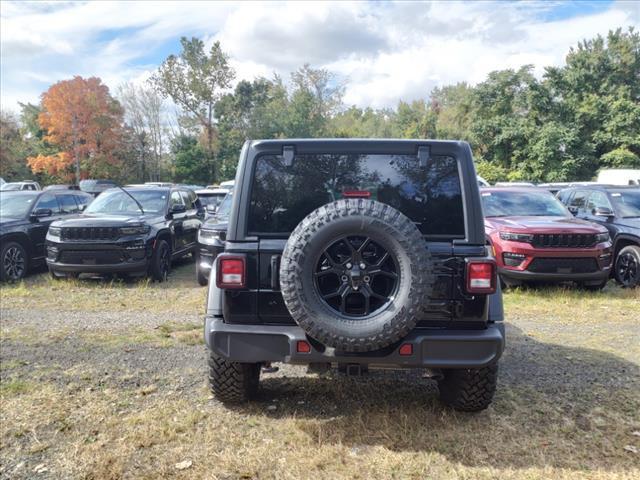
[
  {"x": 190, "y": 160},
  {"x": 195, "y": 80},
  {"x": 13, "y": 149}
]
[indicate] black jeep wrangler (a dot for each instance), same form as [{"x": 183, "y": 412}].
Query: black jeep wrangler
[{"x": 357, "y": 254}]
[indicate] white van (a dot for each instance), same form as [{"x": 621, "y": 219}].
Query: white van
[{"x": 622, "y": 176}]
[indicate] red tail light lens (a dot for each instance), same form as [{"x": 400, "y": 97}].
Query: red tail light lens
[
  {"x": 303, "y": 347},
  {"x": 356, "y": 194},
  {"x": 231, "y": 271},
  {"x": 481, "y": 276}
]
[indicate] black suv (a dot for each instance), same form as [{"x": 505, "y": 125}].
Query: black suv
[
  {"x": 356, "y": 254},
  {"x": 211, "y": 238},
  {"x": 134, "y": 231},
  {"x": 618, "y": 209},
  {"x": 25, "y": 217}
]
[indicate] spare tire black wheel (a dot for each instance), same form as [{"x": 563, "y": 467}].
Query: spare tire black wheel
[{"x": 354, "y": 275}]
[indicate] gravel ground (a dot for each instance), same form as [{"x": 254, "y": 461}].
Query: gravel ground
[
  {"x": 567, "y": 399},
  {"x": 528, "y": 362}
]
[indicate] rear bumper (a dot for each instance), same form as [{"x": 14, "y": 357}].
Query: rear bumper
[{"x": 431, "y": 348}]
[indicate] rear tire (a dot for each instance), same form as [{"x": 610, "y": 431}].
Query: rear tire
[
  {"x": 627, "y": 266},
  {"x": 14, "y": 262},
  {"x": 469, "y": 390},
  {"x": 233, "y": 382},
  {"x": 161, "y": 262}
]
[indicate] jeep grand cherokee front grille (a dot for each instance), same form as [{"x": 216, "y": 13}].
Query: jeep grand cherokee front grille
[
  {"x": 90, "y": 233},
  {"x": 564, "y": 240}
]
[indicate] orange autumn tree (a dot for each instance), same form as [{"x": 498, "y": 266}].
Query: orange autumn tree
[{"x": 84, "y": 122}]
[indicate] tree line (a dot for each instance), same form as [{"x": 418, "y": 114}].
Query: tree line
[{"x": 187, "y": 124}]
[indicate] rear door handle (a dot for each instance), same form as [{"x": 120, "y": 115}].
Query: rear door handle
[{"x": 275, "y": 267}]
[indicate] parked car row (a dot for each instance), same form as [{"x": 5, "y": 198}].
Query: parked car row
[{"x": 587, "y": 234}]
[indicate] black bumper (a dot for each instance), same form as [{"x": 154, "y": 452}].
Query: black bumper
[
  {"x": 140, "y": 267},
  {"x": 431, "y": 348},
  {"x": 99, "y": 258},
  {"x": 525, "y": 275}
]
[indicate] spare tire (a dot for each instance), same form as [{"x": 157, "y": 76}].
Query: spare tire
[{"x": 354, "y": 275}]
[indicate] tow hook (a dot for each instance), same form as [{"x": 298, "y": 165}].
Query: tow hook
[
  {"x": 432, "y": 374},
  {"x": 268, "y": 368}
]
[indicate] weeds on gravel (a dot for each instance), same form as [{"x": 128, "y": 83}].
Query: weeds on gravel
[{"x": 180, "y": 294}]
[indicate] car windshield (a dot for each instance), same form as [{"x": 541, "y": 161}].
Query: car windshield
[
  {"x": 627, "y": 203},
  {"x": 211, "y": 198},
  {"x": 96, "y": 185},
  {"x": 526, "y": 204},
  {"x": 15, "y": 205},
  {"x": 225, "y": 206},
  {"x": 118, "y": 202}
]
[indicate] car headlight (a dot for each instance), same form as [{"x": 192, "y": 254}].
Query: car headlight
[
  {"x": 55, "y": 231},
  {"x": 602, "y": 237},
  {"x": 210, "y": 237},
  {"x": 137, "y": 230},
  {"x": 516, "y": 237}
]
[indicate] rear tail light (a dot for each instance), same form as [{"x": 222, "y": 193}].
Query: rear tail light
[
  {"x": 481, "y": 276},
  {"x": 356, "y": 194},
  {"x": 231, "y": 271}
]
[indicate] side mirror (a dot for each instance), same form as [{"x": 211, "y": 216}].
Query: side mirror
[
  {"x": 603, "y": 212},
  {"x": 211, "y": 209},
  {"x": 573, "y": 210},
  {"x": 177, "y": 208},
  {"x": 82, "y": 208},
  {"x": 42, "y": 212}
]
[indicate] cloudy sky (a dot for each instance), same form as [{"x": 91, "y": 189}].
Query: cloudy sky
[{"x": 384, "y": 51}]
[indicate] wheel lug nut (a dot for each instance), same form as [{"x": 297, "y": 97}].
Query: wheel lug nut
[
  {"x": 363, "y": 266},
  {"x": 349, "y": 265},
  {"x": 344, "y": 278},
  {"x": 367, "y": 278}
]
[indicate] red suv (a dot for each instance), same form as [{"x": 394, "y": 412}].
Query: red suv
[{"x": 535, "y": 238}]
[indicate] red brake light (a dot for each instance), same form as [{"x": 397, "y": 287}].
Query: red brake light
[
  {"x": 230, "y": 272},
  {"x": 356, "y": 194},
  {"x": 481, "y": 276},
  {"x": 406, "y": 349},
  {"x": 303, "y": 347}
]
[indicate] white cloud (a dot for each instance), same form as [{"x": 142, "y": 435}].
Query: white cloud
[{"x": 386, "y": 51}]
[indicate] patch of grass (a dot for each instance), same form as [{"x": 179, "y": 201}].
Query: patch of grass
[
  {"x": 180, "y": 294},
  {"x": 11, "y": 387},
  {"x": 612, "y": 303},
  {"x": 189, "y": 333}
]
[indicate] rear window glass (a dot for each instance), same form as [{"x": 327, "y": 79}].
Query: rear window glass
[{"x": 283, "y": 195}]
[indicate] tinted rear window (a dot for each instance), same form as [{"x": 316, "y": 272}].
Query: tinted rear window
[{"x": 283, "y": 195}]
